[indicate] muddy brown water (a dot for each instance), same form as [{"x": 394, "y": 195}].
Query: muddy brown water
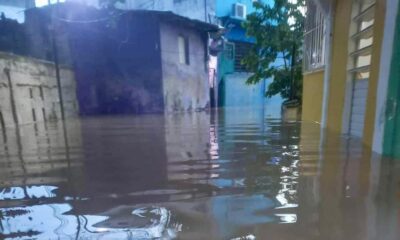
[{"x": 235, "y": 174}]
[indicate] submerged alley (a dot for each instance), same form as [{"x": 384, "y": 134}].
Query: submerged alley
[
  {"x": 240, "y": 175},
  {"x": 200, "y": 119}
]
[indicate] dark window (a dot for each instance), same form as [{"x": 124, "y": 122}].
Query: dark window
[
  {"x": 187, "y": 58},
  {"x": 30, "y": 92},
  {"x": 229, "y": 49},
  {"x": 183, "y": 50}
]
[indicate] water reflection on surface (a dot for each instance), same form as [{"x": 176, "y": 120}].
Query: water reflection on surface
[{"x": 234, "y": 174}]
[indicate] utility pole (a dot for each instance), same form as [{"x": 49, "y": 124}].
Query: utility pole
[{"x": 56, "y": 60}]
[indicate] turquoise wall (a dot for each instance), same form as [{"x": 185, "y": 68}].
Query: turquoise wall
[{"x": 232, "y": 88}]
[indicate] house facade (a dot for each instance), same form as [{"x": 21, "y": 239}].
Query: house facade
[
  {"x": 351, "y": 70},
  {"x": 148, "y": 62},
  {"x": 231, "y": 74}
]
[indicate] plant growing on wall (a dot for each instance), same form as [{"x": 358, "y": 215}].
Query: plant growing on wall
[{"x": 277, "y": 27}]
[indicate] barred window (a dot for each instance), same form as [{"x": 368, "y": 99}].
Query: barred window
[
  {"x": 229, "y": 50},
  {"x": 314, "y": 38}
]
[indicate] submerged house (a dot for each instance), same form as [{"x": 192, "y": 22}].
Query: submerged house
[
  {"x": 231, "y": 73},
  {"x": 162, "y": 65},
  {"x": 140, "y": 61},
  {"x": 351, "y": 80}
]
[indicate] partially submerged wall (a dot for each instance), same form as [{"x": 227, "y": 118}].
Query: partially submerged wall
[
  {"x": 28, "y": 91},
  {"x": 239, "y": 94},
  {"x": 185, "y": 86},
  {"x": 313, "y": 88}
]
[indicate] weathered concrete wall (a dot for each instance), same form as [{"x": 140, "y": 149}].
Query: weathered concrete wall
[
  {"x": 134, "y": 74},
  {"x": 30, "y": 87},
  {"x": 186, "y": 87}
]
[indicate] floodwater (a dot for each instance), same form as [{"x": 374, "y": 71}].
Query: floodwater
[{"x": 232, "y": 175}]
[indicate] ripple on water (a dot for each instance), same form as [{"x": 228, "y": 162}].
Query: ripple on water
[{"x": 189, "y": 176}]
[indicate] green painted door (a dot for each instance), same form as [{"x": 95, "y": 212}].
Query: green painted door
[{"x": 391, "y": 145}]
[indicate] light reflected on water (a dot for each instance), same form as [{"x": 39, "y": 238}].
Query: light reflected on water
[{"x": 231, "y": 175}]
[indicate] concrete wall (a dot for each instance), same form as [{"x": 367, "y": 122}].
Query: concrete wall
[
  {"x": 236, "y": 93},
  {"x": 239, "y": 94},
  {"x": 186, "y": 87},
  {"x": 313, "y": 84},
  {"x": 116, "y": 71},
  {"x": 27, "y": 76},
  {"x": 133, "y": 68}
]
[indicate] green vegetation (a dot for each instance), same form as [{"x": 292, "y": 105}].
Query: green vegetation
[{"x": 278, "y": 30}]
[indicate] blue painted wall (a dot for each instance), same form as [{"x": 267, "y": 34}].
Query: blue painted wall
[
  {"x": 233, "y": 90},
  {"x": 239, "y": 94}
]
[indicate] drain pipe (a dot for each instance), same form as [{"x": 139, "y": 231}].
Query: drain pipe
[
  {"x": 328, "y": 64},
  {"x": 205, "y": 11}
]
